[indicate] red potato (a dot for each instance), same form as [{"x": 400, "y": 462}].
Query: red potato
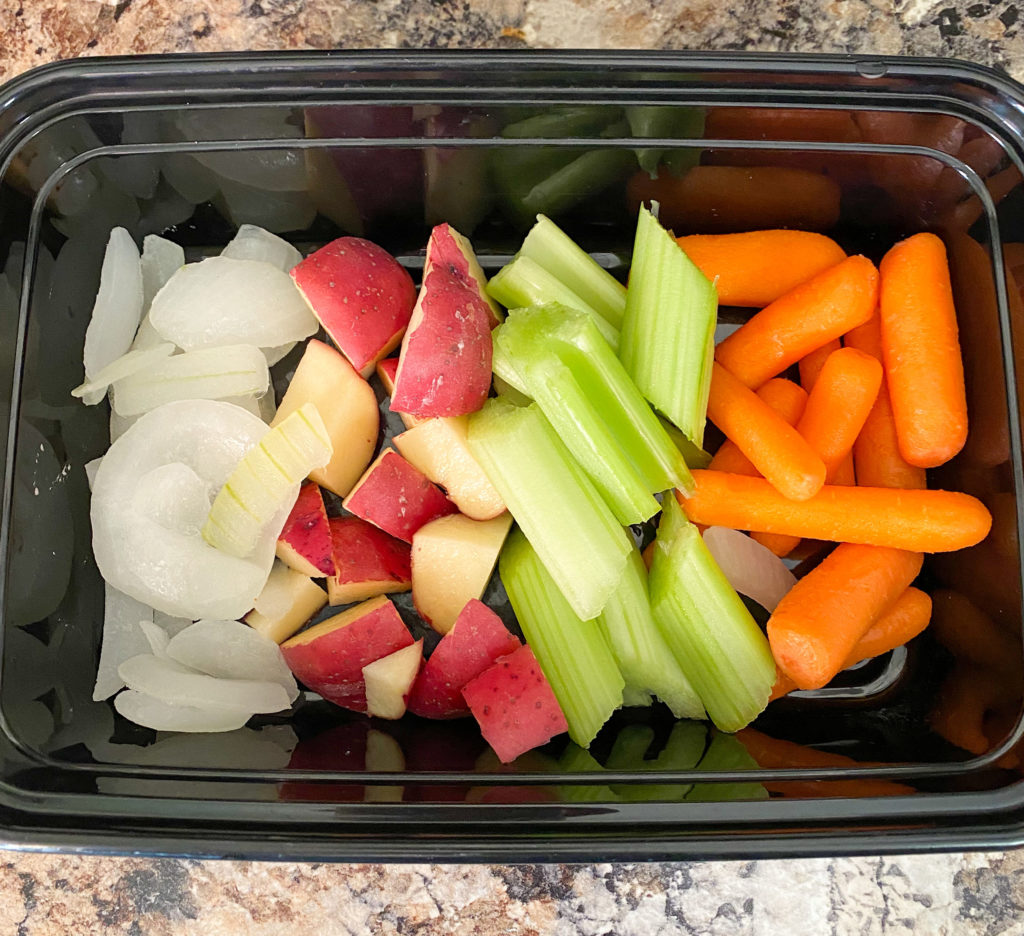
[
  {"x": 361, "y": 295},
  {"x": 514, "y": 705},
  {"x": 396, "y": 497},
  {"x": 348, "y": 407},
  {"x": 390, "y": 679},
  {"x": 305, "y": 541},
  {"x": 440, "y": 449},
  {"x": 449, "y": 249},
  {"x": 476, "y": 640},
  {"x": 369, "y": 562},
  {"x": 453, "y": 559},
  {"x": 444, "y": 368},
  {"x": 329, "y": 658},
  {"x": 386, "y": 371},
  {"x": 287, "y": 602}
]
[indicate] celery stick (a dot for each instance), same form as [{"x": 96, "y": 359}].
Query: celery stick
[
  {"x": 572, "y": 653},
  {"x": 577, "y": 760},
  {"x": 682, "y": 751},
  {"x": 662, "y": 120},
  {"x": 585, "y": 121},
  {"x": 507, "y": 392},
  {"x": 644, "y": 659},
  {"x": 635, "y": 698},
  {"x": 553, "y": 501},
  {"x": 693, "y": 455},
  {"x": 668, "y": 331},
  {"x": 726, "y": 753},
  {"x": 504, "y": 367},
  {"x": 524, "y": 283},
  {"x": 550, "y": 247},
  {"x": 531, "y": 339},
  {"x": 707, "y": 626}
]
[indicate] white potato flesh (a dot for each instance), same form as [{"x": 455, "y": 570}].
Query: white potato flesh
[
  {"x": 144, "y": 710},
  {"x": 220, "y": 301},
  {"x": 256, "y": 243},
  {"x": 175, "y": 572}
]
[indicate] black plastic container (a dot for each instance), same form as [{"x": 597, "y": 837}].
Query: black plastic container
[{"x": 386, "y": 144}]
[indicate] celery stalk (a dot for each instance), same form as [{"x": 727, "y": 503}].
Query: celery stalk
[
  {"x": 726, "y": 753},
  {"x": 524, "y": 283},
  {"x": 553, "y": 501},
  {"x": 550, "y": 247},
  {"x": 644, "y": 659},
  {"x": 693, "y": 455},
  {"x": 668, "y": 331},
  {"x": 504, "y": 367},
  {"x": 572, "y": 653},
  {"x": 707, "y": 626},
  {"x": 636, "y": 698},
  {"x": 585, "y": 392},
  {"x": 665, "y": 120}
]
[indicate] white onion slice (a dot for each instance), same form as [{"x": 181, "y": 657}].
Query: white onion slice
[
  {"x": 122, "y": 639},
  {"x": 752, "y": 569},
  {"x": 162, "y": 716},
  {"x": 232, "y": 650},
  {"x": 206, "y": 374},
  {"x": 131, "y": 362},
  {"x": 91, "y": 467},
  {"x": 147, "y": 336},
  {"x": 256, "y": 243},
  {"x": 273, "y": 355},
  {"x": 220, "y": 301},
  {"x": 157, "y": 637},
  {"x": 169, "y": 681},
  {"x": 171, "y": 625},
  {"x": 118, "y": 307},
  {"x": 161, "y": 259},
  {"x": 174, "y": 496}
]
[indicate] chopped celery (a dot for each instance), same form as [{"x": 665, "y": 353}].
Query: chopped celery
[
  {"x": 668, "y": 332},
  {"x": 575, "y": 759},
  {"x": 507, "y": 392},
  {"x": 504, "y": 369},
  {"x": 693, "y": 455},
  {"x": 583, "y": 389},
  {"x": 726, "y": 753},
  {"x": 635, "y": 698},
  {"x": 663, "y": 120},
  {"x": 707, "y": 626},
  {"x": 572, "y": 653},
  {"x": 585, "y": 121},
  {"x": 682, "y": 751},
  {"x": 567, "y": 521},
  {"x": 524, "y": 283},
  {"x": 644, "y": 658},
  {"x": 550, "y": 247}
]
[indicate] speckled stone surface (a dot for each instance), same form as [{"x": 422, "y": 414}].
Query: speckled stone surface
[{"x": 939, "y": 894}]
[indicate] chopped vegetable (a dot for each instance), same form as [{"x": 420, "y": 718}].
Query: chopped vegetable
[
  {"x": 811, "y": 364},
  {"x": 805, "y": 318},
  {"x": 573, "y": 653},
  {"x": 161, "y": 259},
  {"x": 923, "y": 521},
  {"x": 254, "y": 243},
  {"x": 566, "y": 520},
  {"x": 922, "y": 352},
  {"x": 645, "y": 661},
  {"x": 816, "y": 625},
  {"x": 707, "y": 626},
  {"x": 757, "y": 267},
  {"x": 751, "y": 568},
  {"x": 669, "y": 327},
  {"x": 129, "y": 363}
]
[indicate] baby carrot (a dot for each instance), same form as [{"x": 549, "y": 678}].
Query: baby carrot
[
  {"x": 773, "y": 446},
  {"x": 839, "y": 404},
  {"x": 876, "y": 453},
  {"x": 819, "y": 621},
  {"x": 811, "y": 365},
  {"x": 921, "y": 348},
  {"x": 970, "y": 634},
  {"x": 900, "y": 623},
  {"x": 756, "y": 267},
  {"x": 923, "y": 521},
  {"x": 814, "y": 313}
]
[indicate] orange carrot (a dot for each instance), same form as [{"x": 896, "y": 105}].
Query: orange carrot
[
  {"x": 900, "y": 623},
  {"x": 773, "y": 446},
  {"x": 921, "y": 351},
  {"x": 813, "y": 314},
  {"x": 923, "y": 521},
  {"x": 811, "y": 365},
  {"x": 724, "y": 199},
  {"x": 968, "y": 694},
  {"x": 756, "y": 267},
  {"x": 970, "y": 634},
  {"x": 876, "y": 452},
  {"x": 819, "y": 621},
  {"x": 839, "y": 404}
]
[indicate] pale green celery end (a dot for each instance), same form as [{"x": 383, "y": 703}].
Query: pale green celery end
[
  {"x": 547, "y": 244},
  {"x": 509, "y": 393},
  {"x": 635, "y": 698},
  {"x": 581, "y": 427},
  {"x": 707, "y": 626},
  {"x": 572, "y": 653},
  {"x": 693, "y": 455},
  {"x": 668, "y": 328},
  {"x": 727, "y": 753},
  {"x": 554, "y": 502},
  {"x": 640, "y": 650},
  {"x": 503, "y": 366}
]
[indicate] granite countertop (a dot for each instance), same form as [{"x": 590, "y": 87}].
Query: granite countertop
[{"x": 972, "y": 893}]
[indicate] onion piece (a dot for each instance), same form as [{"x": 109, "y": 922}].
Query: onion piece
[
  {"x": 206, "y": 374},
  {"x": 144, "y": 710},
  {"x": 169, "y": 681},
  {"x": 161, "y": 259},
  {"x": 131, "y": 362},
  {"x": 157, "y": 637},
  {"x": 256, "y": 243},
  {"x": 752, "y": 569},
  {"x": 273, "y": 355},
  {"x": 220, "y": 301},
  {"x": 122, "y": 639},
  {"x": 118, "y": 307}
]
